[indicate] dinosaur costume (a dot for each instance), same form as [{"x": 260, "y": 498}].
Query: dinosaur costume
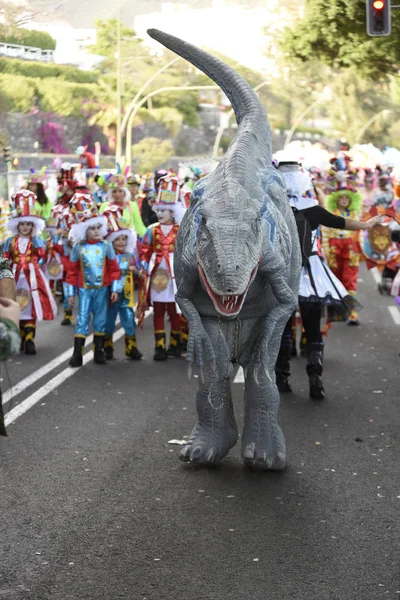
[{"x": 237, "y": 271}]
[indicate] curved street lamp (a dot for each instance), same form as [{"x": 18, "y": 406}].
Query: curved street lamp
[
  {"x": 369, "y": 122},
  {"x": 128, "y": 153},
  {"x": 222, "y": 128},
  {"x": 326, "y": 95}
]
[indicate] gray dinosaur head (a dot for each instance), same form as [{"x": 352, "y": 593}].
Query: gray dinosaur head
[
  {"x": 229, "y": 245},
  {"x": 229, "y": 236}
]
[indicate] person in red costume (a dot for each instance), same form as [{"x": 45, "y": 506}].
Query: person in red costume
[
  {"x": 86, "y": 158},
  {"x": 157, "y": 259},
  {"x": 26, "y": 251}
]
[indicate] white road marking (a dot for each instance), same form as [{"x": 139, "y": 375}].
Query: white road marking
[
  {"x": 54, "y": 383},
  {"x": 239, "y": 377},
  {"x": 394, "y": 311},
  {"x": 36, "y": 375},
  {"x": 376, "y": 275},
  {"x": 50, "y": 386}
]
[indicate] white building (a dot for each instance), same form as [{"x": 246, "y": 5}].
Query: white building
[{"x": 72, "y": 44}]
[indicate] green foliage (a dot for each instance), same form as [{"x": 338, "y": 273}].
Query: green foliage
[
  {"x": 18, "y": 93},
  {"x": 335, "y": 32},
  {"x": 171, "y": 118},
  {"x": 24, "y": 37},
  {"x": 43, "y": 70},
  {"x": 106, "y": 37},
  {"x": 151, "y": 153},
  {"x": 63, "y": 97},
  {"x": 186, "y": 102}
]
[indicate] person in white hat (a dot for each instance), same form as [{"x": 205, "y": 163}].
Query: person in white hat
[
  {"x": 93, "y": 271},
  {"x": 26, "y": 252},
  {"x": 157, "y": 259}
]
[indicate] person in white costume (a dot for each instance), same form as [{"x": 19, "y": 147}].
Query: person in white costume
[{"x": 318, "y": 285}]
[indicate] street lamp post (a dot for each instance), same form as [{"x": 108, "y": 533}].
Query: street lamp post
[
  {"x": 143, "y": 101},
  {"x": 326, "y": 95},
  {"x": 222, "y": 127},
  {"x": 369, "y": 122},
  {"x": 140, "y": 92},
  {"x": 118, "y": 148}
]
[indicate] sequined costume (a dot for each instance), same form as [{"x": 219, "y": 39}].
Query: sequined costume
[
  {"x": 93, "y": 270},
  {"x": 157, "y": 259},
  {"x": 123, "y": 308},
  {"x": 341, "y": 247}
]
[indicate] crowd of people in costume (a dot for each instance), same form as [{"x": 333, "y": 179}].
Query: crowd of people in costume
[{"x": 108, "y": 249}]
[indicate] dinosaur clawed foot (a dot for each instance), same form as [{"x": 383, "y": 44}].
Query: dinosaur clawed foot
[
  {"x": 207, "y": 446},
  {"x": 264, "y": 449}
]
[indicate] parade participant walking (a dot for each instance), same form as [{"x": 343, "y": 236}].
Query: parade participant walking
[
  {"x": 319, "y": 287},
  {"x": 342, "y": 247},
  {"x": 26, "y": 251},
  {"x": 67, "y": 185},
  {"x": 120, "y": 196},
  {"x": 43, "y": 206},
  {"x": 145, "y": 201},
  {"x": 124, "y": 244},
  {"x": 93, "y": 270},
  {"x": 86, "y": 159},
  {"x": 101, "y": 194},
  {"x": 157, "y": 259},
  {"x": 133, "y": 183}
]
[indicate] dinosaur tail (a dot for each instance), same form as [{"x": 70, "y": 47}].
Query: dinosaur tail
[{"x": 244, "y": 101}]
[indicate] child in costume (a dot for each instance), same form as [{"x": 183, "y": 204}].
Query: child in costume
[
  {"x": 124, "y": 244},
  {"x": 93, "y": 270},
  {"x": 43, "y": 206},
  {"x": 26, "y": 251},
  {"x": 157, "y": 259},
  {"x": 120, "y": 196},
  {"x": 60, "y": 215},
  {"x": 341, "y": 247}
]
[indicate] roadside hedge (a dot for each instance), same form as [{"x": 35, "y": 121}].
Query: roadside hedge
[
  {"x": 51, "y": 94},
  {"x": 43, "y": 70},
  {"x": 24, "y": 37}
]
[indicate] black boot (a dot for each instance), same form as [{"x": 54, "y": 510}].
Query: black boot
[
  {"x": 131, "y": 349},
  {"x": 161, "y": 346},
  {"x": 98, "y": 348},
  {"x": 22, "y": 334},
  {"x": 315, "y": 359},
  {"x": 174, "y": 344},
  {"x": 77, "y": 359},
  {"x": 29, "y": 345},
  {"x": 282, "y": 371},
  {"x": 67, "y": 317},
  {"x": 108, "y": 347}
]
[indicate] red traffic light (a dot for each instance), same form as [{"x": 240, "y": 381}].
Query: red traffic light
[{"x": 378, "y": 4}]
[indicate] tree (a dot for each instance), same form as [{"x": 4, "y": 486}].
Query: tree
[
  {"x": 151, "y": 153},
  {"x": 335, "y": 32}
]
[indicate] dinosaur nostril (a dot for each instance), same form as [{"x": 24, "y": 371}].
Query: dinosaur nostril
[
  {"x": 237, "y": 268},
  {"x": 229, "y": 291}
]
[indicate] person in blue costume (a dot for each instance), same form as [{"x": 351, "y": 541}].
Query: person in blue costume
[
  {"x": 95, "y": 272},
  {"x": 124, "y": 243}
]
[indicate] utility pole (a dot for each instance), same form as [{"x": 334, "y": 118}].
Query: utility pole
[{"x": 118, "y": 149}]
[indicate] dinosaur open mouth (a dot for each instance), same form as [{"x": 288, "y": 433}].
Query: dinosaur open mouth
[{"x": 227, "y": 304}]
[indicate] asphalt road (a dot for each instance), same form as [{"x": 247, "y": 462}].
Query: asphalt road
[{"x": 95, "y": 504}]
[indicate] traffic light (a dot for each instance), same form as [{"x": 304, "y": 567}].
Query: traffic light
[
  {"x": 378, "y": 17},
  {"x": 7, "y": 154}
]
